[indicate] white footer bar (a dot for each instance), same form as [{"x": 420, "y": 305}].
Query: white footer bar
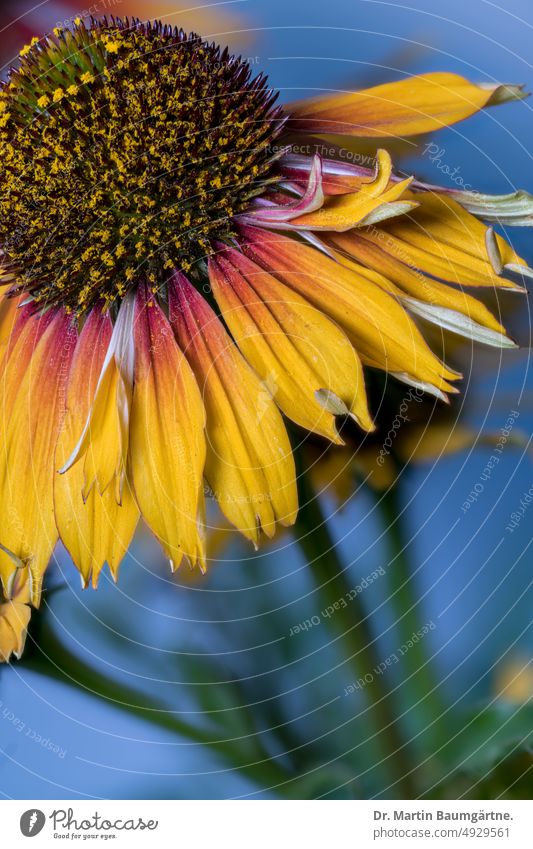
[{"x": 267, "y": 824}]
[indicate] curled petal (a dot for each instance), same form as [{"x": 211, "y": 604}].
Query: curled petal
[
  {"x": 514, "y": 209},
  {"x": 409, "y": 107},
  {"x": 338, "y": 178},
  {"x": 312, "y": 199},
  {"x": 375, "y": 200}
]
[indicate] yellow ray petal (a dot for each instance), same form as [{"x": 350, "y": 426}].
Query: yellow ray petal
[
  {"x": 101, "y": 442},
  {"x": 409, "y": 107},
  {"x": 28, "y": 527},
  {"x": 382, "y": 332},
  {"x": 9, "y": 309},
  {"x": 20, "y": 347},
  {"x": 95, "y": 530},
  {"x": 15, "y": 614},
  {"x": 415, "y": 288},
  {"x": 292, "y": 346},
  {"x": 442, "y": 239},
  {"x": 375, "y": 200},
  {"x": 249, "y": 464},
  {"x": 104, "y": 440},
  {"x": 167, "y": 442}
]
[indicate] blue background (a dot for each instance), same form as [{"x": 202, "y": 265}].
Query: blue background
[{"x": 177, "y": 639}]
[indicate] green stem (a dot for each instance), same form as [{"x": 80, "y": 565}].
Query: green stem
[
  {"x": 419, "y": 684},
  {"x": 351, "y": 623},
  {"x": 55, "y": 660}
]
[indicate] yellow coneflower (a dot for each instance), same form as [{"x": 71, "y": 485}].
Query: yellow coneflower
[{"x": 177, "y": 277}]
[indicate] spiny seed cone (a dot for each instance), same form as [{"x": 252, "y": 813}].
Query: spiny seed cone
[{"x": 126, "y": 149}]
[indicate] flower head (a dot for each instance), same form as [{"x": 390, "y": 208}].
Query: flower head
[
  {"x": 15, "y": 613},
  {"x": 178, "y": 275},
  {"x": 150, "y": 145}
]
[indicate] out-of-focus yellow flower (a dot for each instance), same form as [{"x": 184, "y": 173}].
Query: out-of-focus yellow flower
[
  {"x": 217, "y": 21},
  {"x": 411, "y": 432},
  {"x": 212, "y": 21},
  {"x": 339, "y": 471},
  {"x": 513, "y": 681}
]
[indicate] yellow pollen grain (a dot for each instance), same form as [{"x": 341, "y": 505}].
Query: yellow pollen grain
[{"x": 112, "y": 46}]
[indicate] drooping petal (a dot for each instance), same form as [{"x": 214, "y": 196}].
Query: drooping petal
[
  {"x": 294, "y": 348},
  {"x": 28, "y": 531},
  {"x": 167, "y": 441},
  {"x": 409, "y": 107},
  {"x": 249, "y": 464},
  {"x": 15, "y": 614},
  {"x": 514, "y": 209},
  {"x": 450, "y": 308},
  {"x": 382, "y": 332},
  {"x": 97, "y": 529},
  {"x": 103, "y": 443},
  {"x": 443, "y": 240}
]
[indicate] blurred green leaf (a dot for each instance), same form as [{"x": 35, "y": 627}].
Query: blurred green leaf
[{"x": 486, "y": 733}]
